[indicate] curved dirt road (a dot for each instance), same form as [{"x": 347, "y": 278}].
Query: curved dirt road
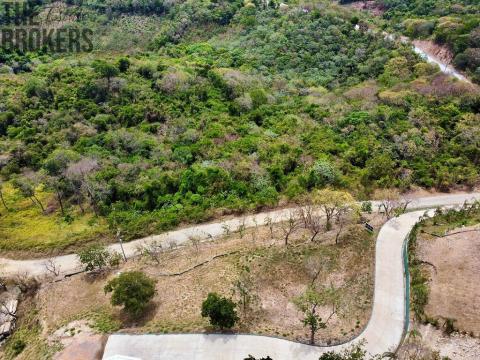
[{"x": 383, "y": 333}]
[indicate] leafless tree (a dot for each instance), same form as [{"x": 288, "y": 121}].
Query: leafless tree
[
  {"x": 289, "y": 226},
  {"x": 414, "y": 349},
  {"x": 344, "y": 216},
  {"x": 241, "y": 228},
  {"x": 269, "y": 222},
  {"x": 79, "y": 173},
  {"x": 54, "y": 183},
  {"x": 153, "y": 250},
  {"x": 392, "y": 203},
  {"x": 3, "y": 285},
  {"x": 25, "y": 282},
  {"x": 2, "y": 198},
  {"x": 195, "y": 240},
  {"x": 245, "y": 288},
  {"x": 226, "y": 229},
  {"x": 312, "y": 220},
  {"x": 254, "y": 231},
  {"x": 52, "y": 267}
]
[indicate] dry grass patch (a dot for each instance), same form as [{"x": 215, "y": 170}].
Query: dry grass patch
[
  {"x": 454, "y": 291},
  {"x": 26, "y": 232}
]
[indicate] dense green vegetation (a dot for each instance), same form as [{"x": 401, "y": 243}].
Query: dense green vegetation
[{"x": 229, "y": 107}]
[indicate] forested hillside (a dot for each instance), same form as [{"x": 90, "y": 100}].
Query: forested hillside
[
  {"x": 455, "y": 24},
  {"x": 212, "y": 107}
]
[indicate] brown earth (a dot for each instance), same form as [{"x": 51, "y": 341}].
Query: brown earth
[
  {"x": 80, "y": 342},
  {"x": 442, "y": 53},
  {"x": 427, "y": 342},
  {"x": 370, "y": 5},
  {"x": 454, "y": 286}
]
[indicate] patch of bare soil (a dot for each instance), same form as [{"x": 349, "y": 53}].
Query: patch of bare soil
[
  {"x": 455, "y": 346},
  {"x": 428, "y": 342},
  {"x": 371, "y": 6},
  {"x": 418, "y": 192},
  {"x": 276, "y": 274},
  {"x": 454, "y": 286},
  {"x": 439, "y": 52},
  {"x": 79, "y": 342}
]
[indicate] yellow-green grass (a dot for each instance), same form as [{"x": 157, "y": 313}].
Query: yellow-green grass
[{"x": 25, "y": 230}]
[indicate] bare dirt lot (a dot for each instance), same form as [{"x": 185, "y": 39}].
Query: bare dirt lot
[
  {"x": 426, "y": 342},
  {"x": 454, "y": 286},
  {"x": 276, "y": 274},
  {"x": 371, "y": 6}
]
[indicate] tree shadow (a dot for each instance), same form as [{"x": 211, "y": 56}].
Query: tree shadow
[
  {"x": 132, "y": 321},
  {"x": 92, "y": 277}
]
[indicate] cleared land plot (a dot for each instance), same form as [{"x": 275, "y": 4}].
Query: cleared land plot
[
  {"x": 277, "y": 273},
  {"x": 454, "y": 286}
]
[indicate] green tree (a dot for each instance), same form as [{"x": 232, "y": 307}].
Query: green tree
[
  {"x": 133, "y": 290},
  {"x": 220, "y": 310},
  {"x": 332, "y": 202},
  {"x": 26, "y": 187},
  {"x": 94, "y": 257},
  {"x": 355, "y": 352},
  {"x": 105, "y": 70},
  {"x": 308, "y": 304},
  {"x": 123, "y": 64}
]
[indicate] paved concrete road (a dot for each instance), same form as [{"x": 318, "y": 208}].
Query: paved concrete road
[
  {"x": 70, "y": 264},
  {"x": 383, "y": 333}
]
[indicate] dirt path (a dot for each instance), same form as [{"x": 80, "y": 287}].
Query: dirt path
[{"x": 437, "y": 55}]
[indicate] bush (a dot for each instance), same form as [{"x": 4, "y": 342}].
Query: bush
[
  {"x": 220, "y": 310},
  {"x": 94, "y": 258},
  {"x": 322, "y": 173},
  {"x": 18, "y": 346},
  {"x": 355, "y": 352},
  {"x": 114, "y": 259},
  {"x": 123, "y": 64},
  {"x": 449, "y": 326},
  {"x": 133, "y": 290},
  {"x": 367, "y": 207}
]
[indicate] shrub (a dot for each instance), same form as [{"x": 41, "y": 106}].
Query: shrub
[
  {"x": 18, "y": 346},
  {"x": 94, "y": 257},
  {"x": 123, "y": 64},
  {"x": 133, "y": 290},
  {"x": 449, "y": 326},
  {"x": 367, "y": 207},
  {"x": 220, "y": 310}
]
